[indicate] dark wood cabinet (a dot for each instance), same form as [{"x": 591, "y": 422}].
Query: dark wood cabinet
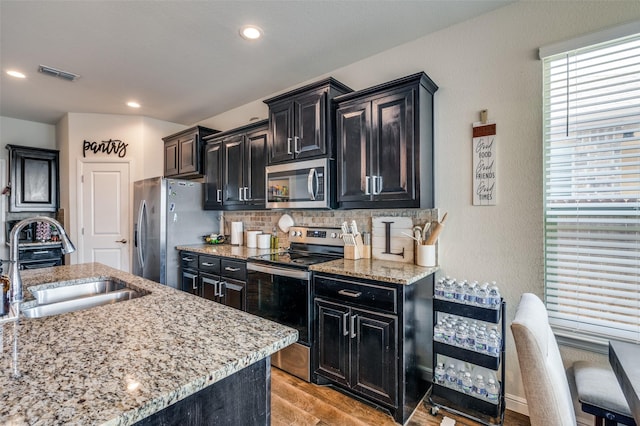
[
  {"x": 234, "y": 168},
  {"x": 369, "y": 337},
  {"x": 183, "y": 152},
  {"x": 301, "y": 122},
  {"x": 385, "y": 145},
  {"x": 34, "y": 179},
  {"x": 214, "y": 278}
]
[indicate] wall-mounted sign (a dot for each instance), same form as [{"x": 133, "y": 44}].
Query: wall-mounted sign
[
  {"x": 484, "y": 164},
  {"x": 112, "y": 146}
]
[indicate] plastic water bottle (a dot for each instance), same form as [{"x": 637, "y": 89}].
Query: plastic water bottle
[
  {"x": 493, "y": 345},
  {"x": 482, "y": 295},
  {"x": 449, "y": 289},
  {"x": 493, "y": 391},
  {"x": 449, "y": 334},
  {"x": 439, "y": 374},
  {"x": 451, "y": 377},
  {"x": 438, "y": 331},
  {"x": 467, "y": 383},
  {"x": 479, "y": 388},
  {"x": 461, "y": 336},
  {"x": 494, "y": 297},
  {"x": 470, "y": 293},
  {"x": 481, "y": 341},
  {"x": 471, "y": 338},
  {"x": 438, "y": 289},
  {"x": 459, "y": 290},
  {"x": 462, "y": 370}
]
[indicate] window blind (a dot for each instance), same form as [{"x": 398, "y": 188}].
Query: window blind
[{"x": 591, "y": 129}]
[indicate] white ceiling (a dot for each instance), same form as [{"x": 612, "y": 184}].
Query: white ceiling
[{"x": 184, "y": 60}]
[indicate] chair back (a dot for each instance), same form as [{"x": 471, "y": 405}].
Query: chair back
[{"x": 543, "y": 374}]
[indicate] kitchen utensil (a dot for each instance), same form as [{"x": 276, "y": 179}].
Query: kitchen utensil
[
  {"x": 425, "y": 229},
  {"x": 285, "y": 223},
  {"x": 354, "y": 227},
  {"x": 437, "y": 229},
  {"x": 345, "y": 228},
  {"x": 412, "y": 237},
  {"x": 417, "y": 233}
]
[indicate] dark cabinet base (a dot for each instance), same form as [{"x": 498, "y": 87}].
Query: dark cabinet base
[{"x": 243, "y": 398}]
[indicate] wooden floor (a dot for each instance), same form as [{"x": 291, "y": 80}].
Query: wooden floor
[{"x": 298, "y": 403}]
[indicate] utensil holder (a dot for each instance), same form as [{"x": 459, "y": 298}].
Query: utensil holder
[
  {"x": 354, "y": 252},
  {"x": 425, "y": 255}
]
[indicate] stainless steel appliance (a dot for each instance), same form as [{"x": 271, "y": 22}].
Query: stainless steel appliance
[
  {"x": 301, "y": 184},
  {"x": 167, "y": 213},
  {"x": 279, "y": 289}
]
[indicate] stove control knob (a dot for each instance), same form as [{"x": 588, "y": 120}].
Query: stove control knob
[
  {"x": 299, "y": 233},
  {"x": 334, "y": 235},
  {"x": 293, "y": 233}
]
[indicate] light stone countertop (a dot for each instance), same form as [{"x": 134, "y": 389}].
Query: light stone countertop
[
  {"x": 119, "y": 363},
  {"x": 371, "y": 269}
]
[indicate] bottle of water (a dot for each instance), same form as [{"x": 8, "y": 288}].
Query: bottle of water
[
  {"x": 494, "y": 297},
  {"x": 438, "y": 289},
  {"x": 461, "y": 336},
  {"x": 493, "y": 345},
  {"x": 438, "y": 374},
  {"x": 471, "y": 338},
  {"x": 438, "y": 331},
  {"x": 470, "y": 293},
  {"x": 459, "y": 291},
  {"x": 467, "y": 383},
  {"x": 451, "y": 377},
  {"x": 462, "y": 370},
  {"x": 449, "y": 286},
  {"x": 479, "y": 388},
  {"x": 449, "y": 334},
  {"x": 482, "y": 296},
  {"x": 481, "y": 341},
  {"x": 493, "y": 391}
]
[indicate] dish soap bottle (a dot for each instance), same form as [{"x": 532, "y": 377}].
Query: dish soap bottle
[{"x": 274, "y": 238}]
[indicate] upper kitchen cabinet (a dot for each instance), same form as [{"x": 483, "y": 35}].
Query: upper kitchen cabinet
[
  {"x": 385, "y": 145},
  {"x": 183, "y": 152},
  {"x": 34, "y": 179},
  {"x": 301, "y": 121},
  {"x": 234, "y": 166}
]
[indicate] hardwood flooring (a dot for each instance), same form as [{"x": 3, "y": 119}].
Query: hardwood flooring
[{"x": 295, "y": 402}]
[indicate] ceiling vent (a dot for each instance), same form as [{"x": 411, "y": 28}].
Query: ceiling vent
[{"x": 54, "y": 72}]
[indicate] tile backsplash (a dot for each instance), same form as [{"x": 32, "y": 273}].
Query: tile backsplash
[{"x": 267, "y": 219}]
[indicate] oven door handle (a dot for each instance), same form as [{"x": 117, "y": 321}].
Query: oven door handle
[{"x": 285, "y": 272}]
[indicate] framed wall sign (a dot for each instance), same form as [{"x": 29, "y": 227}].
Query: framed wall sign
[{"x": 484, "y": 164}]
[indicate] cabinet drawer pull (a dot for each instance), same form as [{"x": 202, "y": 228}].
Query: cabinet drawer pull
[
  {"x": 345, "y": 324},
  {"x": 188, "y": 259},
  {"x": 353, "y": 326},
  {"x": 230, "y": 269},
  {"x": 41, "y": 252},
  {"x": 350, "y": 293},
  {"x": 207, "y": 264}
]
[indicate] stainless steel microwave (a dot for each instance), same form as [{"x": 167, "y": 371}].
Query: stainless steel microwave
[{"x": 301, "y": 184}]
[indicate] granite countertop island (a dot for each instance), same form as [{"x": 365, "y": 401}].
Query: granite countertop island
[{"x": 118, "y": 364}]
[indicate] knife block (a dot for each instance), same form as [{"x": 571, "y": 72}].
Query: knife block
[{"x": 354, "y": 252}]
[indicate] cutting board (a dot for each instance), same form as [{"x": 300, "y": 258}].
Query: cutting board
[{"x": 401, "y": 246}]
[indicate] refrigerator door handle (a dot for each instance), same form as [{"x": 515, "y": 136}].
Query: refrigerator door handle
[{"x": 142, "y": 211}]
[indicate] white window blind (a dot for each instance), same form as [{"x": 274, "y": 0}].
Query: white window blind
[{"x": 592, "y": 189}]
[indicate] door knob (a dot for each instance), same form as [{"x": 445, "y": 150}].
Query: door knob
[{"x": 123, "y": 241}]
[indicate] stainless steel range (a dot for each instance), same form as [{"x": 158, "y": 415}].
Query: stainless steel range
[{"x": 279, "y": 289}]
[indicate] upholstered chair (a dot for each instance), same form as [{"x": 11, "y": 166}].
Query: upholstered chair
[{"x": 545, "y": 380}]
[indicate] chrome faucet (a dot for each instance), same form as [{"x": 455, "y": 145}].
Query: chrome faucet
[{"x": 14, "y": 272}]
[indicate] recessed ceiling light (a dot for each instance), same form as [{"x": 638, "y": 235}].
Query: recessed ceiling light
[
  {"x": 16, "y": 74},
  {"x": 133, "y": 104},
  {"x": 250, "y": 32}
]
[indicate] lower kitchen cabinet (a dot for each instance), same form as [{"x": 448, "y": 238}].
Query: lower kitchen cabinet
[
  {"x": 214, "y": 278},
  {"x": 372, "y": 340}
]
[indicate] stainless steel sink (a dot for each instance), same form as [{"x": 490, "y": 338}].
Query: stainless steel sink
[{"x": 75, "y": 297}]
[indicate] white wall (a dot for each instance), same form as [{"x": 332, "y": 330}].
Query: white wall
[{"x": 491, "y": 63}]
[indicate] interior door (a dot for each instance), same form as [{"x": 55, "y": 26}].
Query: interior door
[{"x": 105, "y": 214}]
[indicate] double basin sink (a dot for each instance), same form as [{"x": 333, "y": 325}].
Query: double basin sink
[{"x": 73, "y": 296}]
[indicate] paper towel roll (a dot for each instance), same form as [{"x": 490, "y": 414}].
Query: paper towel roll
[
  {"x": 236, "y": 233},
  {"x": 252, "y": 238}
]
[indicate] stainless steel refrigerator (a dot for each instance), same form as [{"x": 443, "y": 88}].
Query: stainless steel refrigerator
[{"x": 167, "y": 213}]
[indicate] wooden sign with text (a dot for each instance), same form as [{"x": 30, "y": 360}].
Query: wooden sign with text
[{"x": 484, "y": 164}]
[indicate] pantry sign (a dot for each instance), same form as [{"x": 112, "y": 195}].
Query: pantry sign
[
  {"x": 484, "y": 164},
  {"x": 110, "y": 147}
]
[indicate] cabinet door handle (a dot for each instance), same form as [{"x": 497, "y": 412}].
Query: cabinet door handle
[
  {"x": 345, "y": 324},
  {"x": 353, "y": 326},
  {"x": 240, "y": 194},
  {"x": 350, "y": 293},
  {"x": 220, "y": 293},
  {"x": 296, "y": 139},
  {"x": 230, "y": 269},
  {"x": 219, "y": 195},
  {"x": 207, "y": 264},
  {"x": 377, "y": 188},
  {"x": 289, "y": 146},
  {"x": 366, "y": 186},
  {"x": 246, "y": 197}
]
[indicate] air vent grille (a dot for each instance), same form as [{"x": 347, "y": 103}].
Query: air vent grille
[{"x": 54, "y": 72}]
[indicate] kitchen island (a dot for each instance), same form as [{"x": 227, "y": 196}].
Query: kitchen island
[{"x": 165, "y": 356}]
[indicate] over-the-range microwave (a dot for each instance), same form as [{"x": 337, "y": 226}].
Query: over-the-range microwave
[{"x": 300, "y": 184}]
